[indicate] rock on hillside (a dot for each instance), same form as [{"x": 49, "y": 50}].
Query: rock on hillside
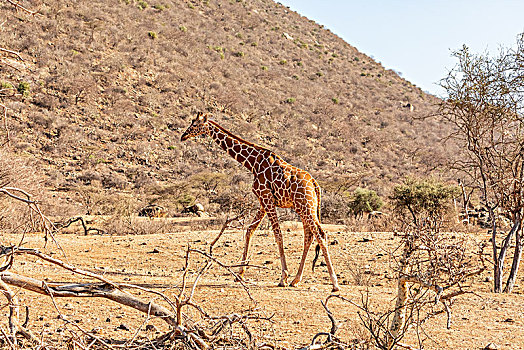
[{"x": 114, "y": 83}]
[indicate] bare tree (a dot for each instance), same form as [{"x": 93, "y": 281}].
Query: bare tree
[
  {"x": 484, "y": 103},
  {"x": 432, "y": 270}
]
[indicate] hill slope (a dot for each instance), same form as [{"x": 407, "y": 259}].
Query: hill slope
[{"x": 114, "y": 83}]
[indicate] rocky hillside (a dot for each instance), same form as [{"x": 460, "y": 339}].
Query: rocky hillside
[{"x": 107, "y": 88}]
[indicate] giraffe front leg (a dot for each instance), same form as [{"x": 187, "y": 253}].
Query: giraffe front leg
[
  {"x": 249, "y": 232},
  {"x": 272, "y": 214}
]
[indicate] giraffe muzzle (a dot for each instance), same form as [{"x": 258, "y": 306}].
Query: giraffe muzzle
[{"x": 184, "y": 137}]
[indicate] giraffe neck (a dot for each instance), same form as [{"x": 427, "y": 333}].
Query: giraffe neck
[{"x": 246, "y": 153}]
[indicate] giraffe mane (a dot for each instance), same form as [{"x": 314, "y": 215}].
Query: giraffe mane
[{"x": 230, "y": 134}]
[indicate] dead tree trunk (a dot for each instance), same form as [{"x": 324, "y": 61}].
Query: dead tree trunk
[
  {"x": 516, "y": 256},
  {"x": 500, "y": 256},
  {"x": 465, "y": 200},
  {"x": 399, "y": 318}
]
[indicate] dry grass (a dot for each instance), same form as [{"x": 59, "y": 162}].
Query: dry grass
[{"x": 156, "y": 261}]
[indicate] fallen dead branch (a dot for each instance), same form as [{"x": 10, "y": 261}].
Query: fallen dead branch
[
  {"x": 11, "y": 251},
  {"x": 88, "y": 290},
  {"x": 18, "y": 6},
  {"x": 195, "y": 335}
]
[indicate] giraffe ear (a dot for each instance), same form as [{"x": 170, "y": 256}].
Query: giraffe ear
[{"x": 202, "y": 117}]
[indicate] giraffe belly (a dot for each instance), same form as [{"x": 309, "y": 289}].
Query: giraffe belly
[
  {"x": 284, "y": 203},
  {"x": 282, "y": 198}
]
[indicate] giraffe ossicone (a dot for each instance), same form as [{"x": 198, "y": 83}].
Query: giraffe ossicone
[{"x": 276, "y": 184}]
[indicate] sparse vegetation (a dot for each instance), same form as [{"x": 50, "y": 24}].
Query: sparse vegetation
[
  {"x": 149, "y": 114},
  {"x": 100, "y": 114},
  {"x": 142, "y": 4},
  {"x": 364, "y": 201},
  {"x": 6, "y": 85},
  {"x": 23, "y": 88}
]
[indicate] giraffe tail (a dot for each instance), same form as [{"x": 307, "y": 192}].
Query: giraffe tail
[
  {"x": 318, "y": 191},
  {"x": 317, "y": 253}
]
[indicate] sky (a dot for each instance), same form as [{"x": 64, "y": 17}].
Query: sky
[{"x": 417, "y": 37}]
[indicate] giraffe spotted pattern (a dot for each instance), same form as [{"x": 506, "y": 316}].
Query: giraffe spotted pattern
[{"x": 276, "y": 184}]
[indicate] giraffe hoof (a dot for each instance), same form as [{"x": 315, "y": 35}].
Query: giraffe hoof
[
  {"x": 335, "y": 289},
  {"x": 281, "y": 284}
]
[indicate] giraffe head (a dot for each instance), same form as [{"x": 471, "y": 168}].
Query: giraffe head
[{"x": 198, "y": 127}]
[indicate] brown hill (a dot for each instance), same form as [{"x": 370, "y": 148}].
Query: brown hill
[{"x": 112, "y": 84}]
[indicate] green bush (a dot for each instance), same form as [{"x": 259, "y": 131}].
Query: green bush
[
  {"x": 364, "y": 201},
  {"x": 152, "y": 35},
  {"x": 6, "y": 85},
  {"x": 23, "y": 88},
  {"x": 185, "y": 199},
  {"x": 423, "y": 199},
  {"x": 142, "y": 4}
]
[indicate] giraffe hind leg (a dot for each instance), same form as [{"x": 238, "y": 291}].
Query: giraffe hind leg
[
  {"x": 308, "y": 239},
  {"x": 322, "y": 242}
]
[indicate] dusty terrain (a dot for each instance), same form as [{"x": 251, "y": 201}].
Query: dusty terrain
[{"x": 156, "y": 261}]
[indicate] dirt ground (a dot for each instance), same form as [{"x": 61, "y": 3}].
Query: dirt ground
[{"x": 156, "y": 261}]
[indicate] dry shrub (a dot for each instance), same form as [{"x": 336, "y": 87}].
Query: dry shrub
[
  {"x": 132, "y": 224},
  {"x": 131, "y": 105},
  {"x": 15, "y": 172}
]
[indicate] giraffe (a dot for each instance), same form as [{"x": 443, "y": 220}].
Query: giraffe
[{"x": 276, "y": 184}]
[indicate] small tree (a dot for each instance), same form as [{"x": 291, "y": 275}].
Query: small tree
[
  {"x": 431, "y": 270},
  {"x": 364, "y": 201},
  {"x": 485, "y": 100},
  {"x": 426, "y": 200}
]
